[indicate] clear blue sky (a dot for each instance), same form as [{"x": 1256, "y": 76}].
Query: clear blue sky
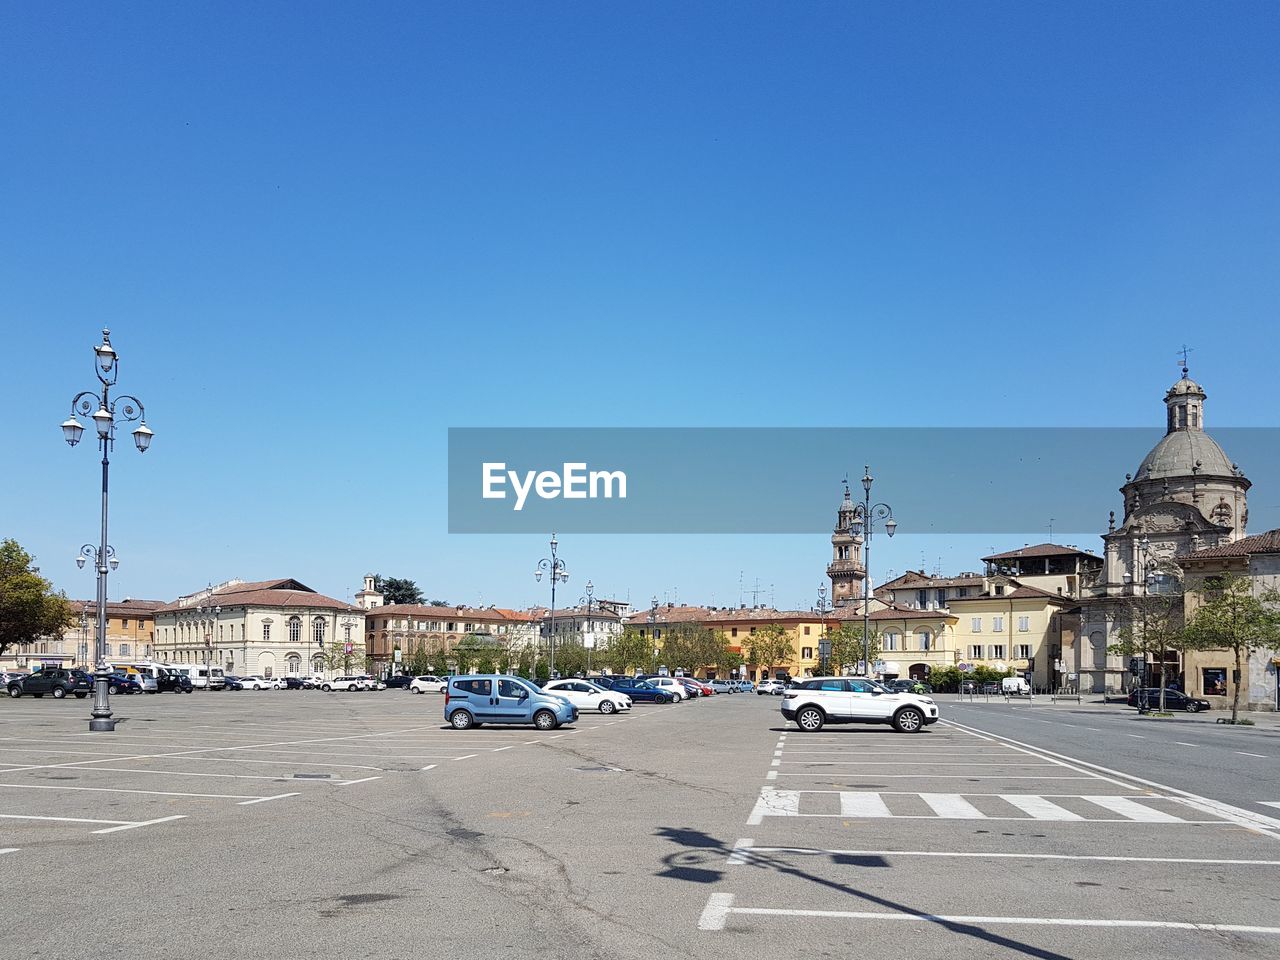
[{"x": 322, "y": 235}]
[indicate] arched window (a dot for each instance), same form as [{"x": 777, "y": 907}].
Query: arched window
[
  {"x": 295, "y": 629},
  {"x": 294, "y": 664},
  {"x": 317, "y": 631}
]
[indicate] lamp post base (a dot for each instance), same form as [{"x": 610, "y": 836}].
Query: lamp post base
[{"x": 101, "y": 722}]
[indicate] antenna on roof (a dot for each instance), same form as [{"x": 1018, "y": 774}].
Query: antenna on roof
[
  {"x": 1051, "y": 529},
  {"x": 1184, "y": 351}
]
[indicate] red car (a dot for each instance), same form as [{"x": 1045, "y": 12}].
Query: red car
[{"x": 704, "y": 689}]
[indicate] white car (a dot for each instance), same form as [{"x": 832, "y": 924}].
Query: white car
[
  {"x": 427, "y": 684},
  {"x": 372, "y": 683},
  {"x": 585, "y": 695},
  {"x": 343, "y": 683},
  {"x": 772, "y": 687},
  {"x": 678, "y": 690},
  {"x": 812, "y": 703},
  {"x": 261, "y": 683}
]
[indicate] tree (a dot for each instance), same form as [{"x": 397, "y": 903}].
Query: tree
[
  {"x": 524, "y": 662},
  {"x": 420, "y": 661},
  {"x": 440, "y": 664},
  {"x": 1150, "y": 625},
  {"x": 29, "y": 609},
  {"x": 1233, "y": 617},
  {"x": 571, "y": 658},
  {"x": 336, "y": 658},
  {"x": 847, "y": 648},
  {"x": 770, "y": 646},
  {"x": 439, "y": 603},
  {"x": 628, "y": 650},
  {"x": 397, "y": 590}
]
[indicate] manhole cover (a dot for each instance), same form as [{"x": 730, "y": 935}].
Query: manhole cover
[
  {"x": 312, "y": 776},
  {"x": 598, "y": 769}
]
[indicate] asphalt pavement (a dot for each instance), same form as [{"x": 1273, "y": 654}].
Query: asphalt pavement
[{"x": 303, "y": 824}]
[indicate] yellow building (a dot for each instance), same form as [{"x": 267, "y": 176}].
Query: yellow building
[
  {"x": 913, "y": 642},
  {"x": 738, "y": 625},
  {"x": 1011, "y": 625}
]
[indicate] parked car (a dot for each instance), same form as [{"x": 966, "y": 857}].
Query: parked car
[
  {"x": 1149, "y": 697},
  {"x": 908, "y": 686},
  {"x": 55, "y": 681},
  {"x": 822, "y": 700},
  {"x": 259, "y": 683},
  {"x": 349, "y": 684},
  {"x": 472, "y": 700},
  {"x": 291, "y": 682},
  {"x": 723, "y": 686},
  {"x": 122, "y": 683},
  {"x": 744, "y": 686},
  {"x": 991, "y": 687},
  {"x": 167, "y": 680},
  {"x": 586, "y": 695},
  {"x": 312, "y": 682},
  {"x": 640, "y": 690},
  {"x": 372, "y": 683},
  {"x": 1015, "y": 687},
  {"x": 399, "y": 682},
  {"x": 670, "y": 684},
  {"x": 693, "y": 686},
  {"x": 233, "y": 683},
  {"x": 427, "y": 684},
  {"x": 772, "y": 688}
]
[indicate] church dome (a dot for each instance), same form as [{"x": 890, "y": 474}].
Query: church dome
[
  {"x": 1179, "y": 453},
  {"x": 1185, "y": 387}
]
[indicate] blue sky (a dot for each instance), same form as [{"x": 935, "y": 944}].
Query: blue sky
[{"x": 321, "y": 237}]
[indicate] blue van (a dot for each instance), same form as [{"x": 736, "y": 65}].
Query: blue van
[{"x": 474, "y": 699}]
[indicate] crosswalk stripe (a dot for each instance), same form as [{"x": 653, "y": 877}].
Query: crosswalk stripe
[
  {"x": 1133, "y": 810},
  {"x": 775, "y": 803},
  {"x": 862, "y": 805},
  {"x": 1039, "y": 807},
  {"x": 952, "y": 806}
]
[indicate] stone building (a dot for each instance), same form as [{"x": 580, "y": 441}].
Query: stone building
[{"x": 1186, "y": 495}]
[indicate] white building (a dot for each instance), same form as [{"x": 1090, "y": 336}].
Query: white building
[{"x": 270, "y": 628}]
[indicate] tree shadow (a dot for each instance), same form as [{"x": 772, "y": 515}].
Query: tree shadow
[{"x": 701, "y": 850}]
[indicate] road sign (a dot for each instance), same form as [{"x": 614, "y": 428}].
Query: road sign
[
  {"x": 348, "y": 647},
  {"x": 397, "y": 656}
]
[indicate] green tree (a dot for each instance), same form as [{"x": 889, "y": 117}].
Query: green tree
[
  {"x": 1233, "y": 617},
  {"x": 397, "y": 589},
  {"x": 524, "y": 662},
  {"x": 571, "y": 657},
  {"x": 628, "y": 651},
  {"x": 29, "y": 608},
  {"x": 420, "y": 661},
  {"x": 440, "y": 663},
  {"x": 846, "y": 646},
  {"x": 770, "y": 646},
  {"x": 1148, "y": 626},
  {"x": 439, "y": 603}
]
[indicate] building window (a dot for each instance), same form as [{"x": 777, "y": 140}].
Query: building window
[
  {"x": 964, "y": 591},
  {"x": 266, "y": 633},
  {"x": 806, "y": 653},
  {"x": 106, "y": 649},
  {"x": 1024, "y": 624},
  {"x": 997, "y": 624},
  {"x": 317, "y": 631},
  {"x": 997, "y": 651},
  {"x": 125, "y": 623},
  {"x": 806, "y": 631},
  {"x": 891, "y": 641},
  {"x": 975, "y": 652},
  {"x": 999, "y": 589},
  {"x": 295, "y": 629},
  {"x": 124, "y": 649},
  {"x": 1024, "y": 651},
  {"x": 346, "y": 633},
  {"x": 976, "y": 625},
  {"x": 942, "y": 596},
  {"x": 925, "y": 638}
]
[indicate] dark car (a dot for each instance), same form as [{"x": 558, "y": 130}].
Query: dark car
[
  {"x": 1149, "y": 698},
  {"x": 639, "y": 691},
  {"x": 400, "y": 682},
  {"x": 177, "y": 682},
  {"x": 56, "y": 682},
  {"x": 293, "y": 683},
  {"x": 233, "y": 683},
  {"x": 120, "y": 683}
]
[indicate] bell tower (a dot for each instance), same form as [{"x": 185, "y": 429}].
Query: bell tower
[{"x": 846, "y": 569}]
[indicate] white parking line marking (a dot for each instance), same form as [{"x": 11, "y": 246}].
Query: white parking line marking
[
  {"x": 1136, "y": 736},
  {"x": 1134, "y": 811},
  {"x": 775, "y": 803},
  {"x": 745, "y": 856},
  {"x": 4, "y": 850},
  {"x": 148, "y": 793},
  {"x": 500, "y": 749},
  {"x": 773, "y": 775},
  {"x": 952, "y": 806},
  {"x": 741, "y": 849},
  {"x": 467, "y": 757},
  {"x": 348, "y": 783},
  {"x": 143, "y": 823},
  {"x": 278, "y": 796},
  {"x": 946, "y": 776},
  {"x": 1181, "y": 744},
  {"x": 863, "y": 805},
  {"x": 720, "y": 906},
  {"x": 1260, "y": 756},
  {"x": 429, "y": 766},
  {"x": 21, "y": 816}
]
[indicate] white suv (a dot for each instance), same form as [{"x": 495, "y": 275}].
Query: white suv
[
  {"x": 427, "y": 684},
  {"x": 343, "y": 683},
  {"x": 822, "y": 700}
]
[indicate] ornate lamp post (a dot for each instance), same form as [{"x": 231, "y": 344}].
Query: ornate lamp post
[
  {"x": 824, "y": 645},
  {"x": 554, "y": 567},
  {"x": 865, "y": 515},
  {"x": 653, "y": 633},
  {"x": 212, "y": 610},
  {"x": 109, "y": 412},
  {"x": 590, "y": 626}
]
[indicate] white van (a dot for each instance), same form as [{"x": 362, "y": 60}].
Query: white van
[
  {"x": 1015, "y": 687},
  {"x": 202, "y": 677}
]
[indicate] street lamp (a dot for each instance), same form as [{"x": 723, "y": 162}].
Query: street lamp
[
  {"x": 590, "y": 627},
  {"x": 653, "y": 633},
  {"x": 554, "y": 567},
  {"x": 865, "y": 515},
  {"x": 108, "y": 412},
  {"x": 213, "y": 610},
  {"x": 824, "y": 645}
]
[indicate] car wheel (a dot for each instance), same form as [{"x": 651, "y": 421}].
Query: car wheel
[
  {"x": 608, "y": 706},
  {"x": 112, "y": 689},
  {"x": 326, "y": 688},
  {"x": 909, "y": 720},
  {"x": 462, "y": 719},
  {"x": 58, "y": 693},
  {"x": 414, "y": 690},
  {"x": 544, "y": 720},
  {"x": 1192, "y": 706},
  {"x": 810, "y": 719},
  {"x": 15, "y": 692}
]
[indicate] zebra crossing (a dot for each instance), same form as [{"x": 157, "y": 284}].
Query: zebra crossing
[{"x": 904, "y": 805}]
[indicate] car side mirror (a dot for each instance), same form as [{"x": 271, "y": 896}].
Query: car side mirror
[{"x": 524, "y": 694}]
